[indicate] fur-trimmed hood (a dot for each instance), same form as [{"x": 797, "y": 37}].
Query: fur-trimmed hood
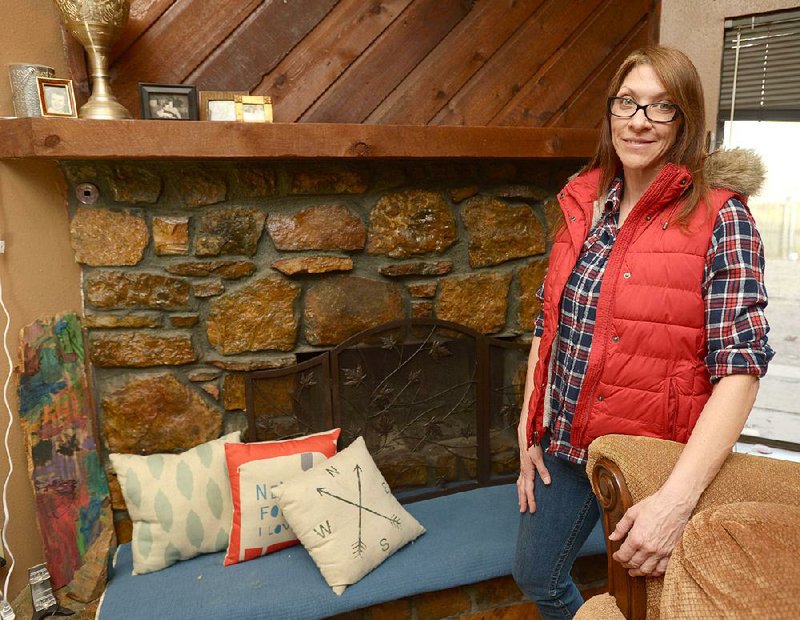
[{"x": 739, "y": 170}]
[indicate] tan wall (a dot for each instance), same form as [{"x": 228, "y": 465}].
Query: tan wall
[
  {"x": 697, "y": 27},
  {"x": 38, "y": 271},
  {"x": 31, "y": 33}
]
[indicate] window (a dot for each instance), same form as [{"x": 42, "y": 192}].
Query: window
[
  {"x": 760, "y": 78},
  {"x": 759, "y": 108}
]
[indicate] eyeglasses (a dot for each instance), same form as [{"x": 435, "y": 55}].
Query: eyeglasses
[{"x": 661, "y": 112}]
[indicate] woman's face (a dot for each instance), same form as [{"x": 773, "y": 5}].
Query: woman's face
[{"x": 642, "y": 145}]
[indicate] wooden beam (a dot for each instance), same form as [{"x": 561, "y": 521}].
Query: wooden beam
[
  {"x": 16, "y": 137},
  {"x": 54, "y": 138}
]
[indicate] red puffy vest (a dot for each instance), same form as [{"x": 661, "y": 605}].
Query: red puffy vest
[{"x": 646, "y": 373}]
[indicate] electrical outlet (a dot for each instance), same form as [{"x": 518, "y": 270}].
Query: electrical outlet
[{"x": 2, "y": 247}]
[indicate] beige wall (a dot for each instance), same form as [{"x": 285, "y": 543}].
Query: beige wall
[
  {"x": 697, "y": 27},
  {"x": 38, "y": 271},
  {"x": 31, "y": 33}
]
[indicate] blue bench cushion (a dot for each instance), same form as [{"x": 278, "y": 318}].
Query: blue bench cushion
[{"x": 470, "y": 537}]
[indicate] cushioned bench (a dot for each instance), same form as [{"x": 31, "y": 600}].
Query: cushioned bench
[{"x": 470, "y": 538}]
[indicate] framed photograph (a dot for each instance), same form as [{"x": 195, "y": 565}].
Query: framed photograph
[
  {"x": 56, "y": 97},
  {"x": 219, "y": 105},
  {"x": 254, "y": 109},
  {"x": 168, "y": 102}
]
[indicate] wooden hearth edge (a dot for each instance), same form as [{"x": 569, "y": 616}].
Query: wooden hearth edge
[{"x": 58, "y": 138}]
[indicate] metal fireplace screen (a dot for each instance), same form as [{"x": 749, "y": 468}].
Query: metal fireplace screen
[{"x": 437, "y": 403}]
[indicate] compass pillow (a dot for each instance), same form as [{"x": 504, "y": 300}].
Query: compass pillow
[
  {"x": 345, "y": 515},
  {"x": 255, "y": 469}
]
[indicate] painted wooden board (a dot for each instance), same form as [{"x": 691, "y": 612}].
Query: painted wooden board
[{"x": 73, "y": 507}]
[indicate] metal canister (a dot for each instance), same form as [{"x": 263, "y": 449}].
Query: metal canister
[{"x": 24, "y": 92}]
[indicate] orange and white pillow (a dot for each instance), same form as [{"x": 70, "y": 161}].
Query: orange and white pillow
[{"x": 255, "y": 469}]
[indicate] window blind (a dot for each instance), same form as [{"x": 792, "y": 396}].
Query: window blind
[{"x": 761, "y": 68}]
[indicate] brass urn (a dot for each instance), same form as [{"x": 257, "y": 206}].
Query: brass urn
[{"x": 97, "y": 24}]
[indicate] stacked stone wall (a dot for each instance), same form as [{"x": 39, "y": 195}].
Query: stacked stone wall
[{"x": 195, "y": 273}]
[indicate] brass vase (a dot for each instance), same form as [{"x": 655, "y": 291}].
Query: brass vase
[{"x": 97, "y": 24}]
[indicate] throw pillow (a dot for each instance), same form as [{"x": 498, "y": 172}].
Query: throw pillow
[
  {"x": 180, "y": 504},
  {"x": 346, "y": 516},
  {"x": 255, "y": 469}
]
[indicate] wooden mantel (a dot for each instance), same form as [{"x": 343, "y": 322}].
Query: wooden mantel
[{"x": 55, "y": 138}]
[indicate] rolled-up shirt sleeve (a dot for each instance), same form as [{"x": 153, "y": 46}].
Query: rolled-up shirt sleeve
[
  {"x": 735, "y": 296},
  {"x": 538, "y": 327}
]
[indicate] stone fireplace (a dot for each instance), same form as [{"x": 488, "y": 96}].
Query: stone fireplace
[{"x": 194, "y": 273}]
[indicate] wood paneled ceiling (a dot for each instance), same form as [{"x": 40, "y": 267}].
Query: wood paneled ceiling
[{"x": 419, "y": 62}]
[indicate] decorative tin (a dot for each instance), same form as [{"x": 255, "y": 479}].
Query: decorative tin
[{"x": 24, "y": 91}]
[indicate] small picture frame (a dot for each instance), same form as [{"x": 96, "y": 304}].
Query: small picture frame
[
  {"x": 254, "y": 109},
  {"x": 56, "y": 97},
  {"x": 219, "y": 105},
  {"x": 168, "y": 102}
]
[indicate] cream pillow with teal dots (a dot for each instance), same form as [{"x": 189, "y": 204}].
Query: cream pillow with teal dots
[{"x": 180, "y": 504}]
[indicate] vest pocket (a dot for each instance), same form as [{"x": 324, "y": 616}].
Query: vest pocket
[{"x": 672, "y": 409}]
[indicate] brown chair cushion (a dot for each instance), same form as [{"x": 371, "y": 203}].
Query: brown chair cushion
[
  {"x": 736, "y": 561},
  {"x": 600, "y": 607},
  {"x": 647, "y": 463}
]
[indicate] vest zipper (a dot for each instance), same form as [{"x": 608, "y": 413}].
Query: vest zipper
[
  {"x": 625, "y": 237},
  {"x": 537, "y": 420}
]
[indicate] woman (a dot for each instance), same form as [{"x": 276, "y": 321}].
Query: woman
[{"x": 652, "y": 324}]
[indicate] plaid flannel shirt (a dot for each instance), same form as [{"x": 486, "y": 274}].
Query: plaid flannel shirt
[{"x": 735, "y": 298}]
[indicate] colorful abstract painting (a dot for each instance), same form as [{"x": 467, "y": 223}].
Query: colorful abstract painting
[{"x": 55, "y": 406}]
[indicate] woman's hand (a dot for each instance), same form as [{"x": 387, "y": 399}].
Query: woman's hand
[
  {"x": 653, "y": 527},
  {"x": 531, "y": 460}
]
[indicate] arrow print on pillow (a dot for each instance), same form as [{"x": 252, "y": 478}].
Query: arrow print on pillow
[{"x": 360, "y": 546}]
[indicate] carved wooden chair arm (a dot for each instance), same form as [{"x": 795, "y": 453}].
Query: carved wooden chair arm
[
  {"x": 624, "y": 470},
  {"x": 609, "y": 486}
]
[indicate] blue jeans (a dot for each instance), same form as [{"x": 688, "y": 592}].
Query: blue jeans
[{"x": 549, "y": 539}]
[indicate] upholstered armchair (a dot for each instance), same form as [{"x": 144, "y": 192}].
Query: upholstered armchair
[{"x": 739, "y": 556}]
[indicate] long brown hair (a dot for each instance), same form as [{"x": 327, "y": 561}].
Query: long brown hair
[{"x": 682, "y": 82}]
